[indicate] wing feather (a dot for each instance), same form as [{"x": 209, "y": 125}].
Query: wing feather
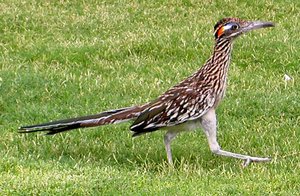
[{"x": 173, "y": 108}]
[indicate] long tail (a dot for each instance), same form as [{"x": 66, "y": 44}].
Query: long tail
[{"x": 107, "y": 117}]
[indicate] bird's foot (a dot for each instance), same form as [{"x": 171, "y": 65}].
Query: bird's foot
[{"x": 255, "y": 159}]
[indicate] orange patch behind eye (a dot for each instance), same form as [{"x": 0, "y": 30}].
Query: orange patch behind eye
[{"x": 220, "y": 31}]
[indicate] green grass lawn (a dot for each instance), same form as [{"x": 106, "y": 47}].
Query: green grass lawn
[{"x": 63, "y": 59}]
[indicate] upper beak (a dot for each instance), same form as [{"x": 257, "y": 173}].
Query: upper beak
[
  {"x": 257, "y": 25},
  {"x": 251, "y": 26}
]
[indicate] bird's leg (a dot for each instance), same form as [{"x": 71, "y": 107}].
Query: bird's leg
[
  {"x": 209, "y": 124},
  {"x": 170, "y": 135}
]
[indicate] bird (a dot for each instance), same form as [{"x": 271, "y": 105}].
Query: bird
[{"x": 187, "y": 106}]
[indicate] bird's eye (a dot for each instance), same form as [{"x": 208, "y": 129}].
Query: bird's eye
[{"x": 234, "y": 27}]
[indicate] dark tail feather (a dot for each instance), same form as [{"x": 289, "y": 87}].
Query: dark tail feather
[{"x": 108, "y": 117}]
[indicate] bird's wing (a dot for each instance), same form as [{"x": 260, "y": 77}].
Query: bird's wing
[{"x": 174, "y": 107}]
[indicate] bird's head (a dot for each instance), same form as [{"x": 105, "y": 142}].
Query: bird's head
[{"x": 229, "y": 28}]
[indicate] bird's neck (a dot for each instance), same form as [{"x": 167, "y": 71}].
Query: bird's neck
[
  {"x": 221, "y": 56},
  {"x": 217, "y": 65},
  {"x": 214, "y": 72}
]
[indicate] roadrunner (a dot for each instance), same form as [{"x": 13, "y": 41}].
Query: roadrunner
[{"x": 187, "y": 106}]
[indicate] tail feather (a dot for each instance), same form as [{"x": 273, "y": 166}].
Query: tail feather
[{"x": 107, "y": 117}]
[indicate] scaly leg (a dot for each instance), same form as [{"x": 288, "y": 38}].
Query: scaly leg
[
  {"x": 170, "y": 135},
  {"x": 209, "y": 124}
]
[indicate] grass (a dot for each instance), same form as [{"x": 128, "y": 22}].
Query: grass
[{"x": 68, "y": 58}]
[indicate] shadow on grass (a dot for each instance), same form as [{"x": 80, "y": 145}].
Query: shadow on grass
[{"x": 101, "y": 148}]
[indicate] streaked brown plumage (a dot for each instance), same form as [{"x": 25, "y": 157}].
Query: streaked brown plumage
[{"x": 186, "y": 106}]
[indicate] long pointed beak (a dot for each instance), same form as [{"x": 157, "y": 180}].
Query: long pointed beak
[
  {"x": 257, "y": 25},
  {"x": 252, "y": 26}
]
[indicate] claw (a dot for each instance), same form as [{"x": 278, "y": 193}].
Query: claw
[
  {"x": 246, "y": 162},
  {"x": 255, "y": 159}
]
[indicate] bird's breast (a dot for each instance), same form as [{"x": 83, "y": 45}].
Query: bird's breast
[{"x": 220, "y": 92}]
